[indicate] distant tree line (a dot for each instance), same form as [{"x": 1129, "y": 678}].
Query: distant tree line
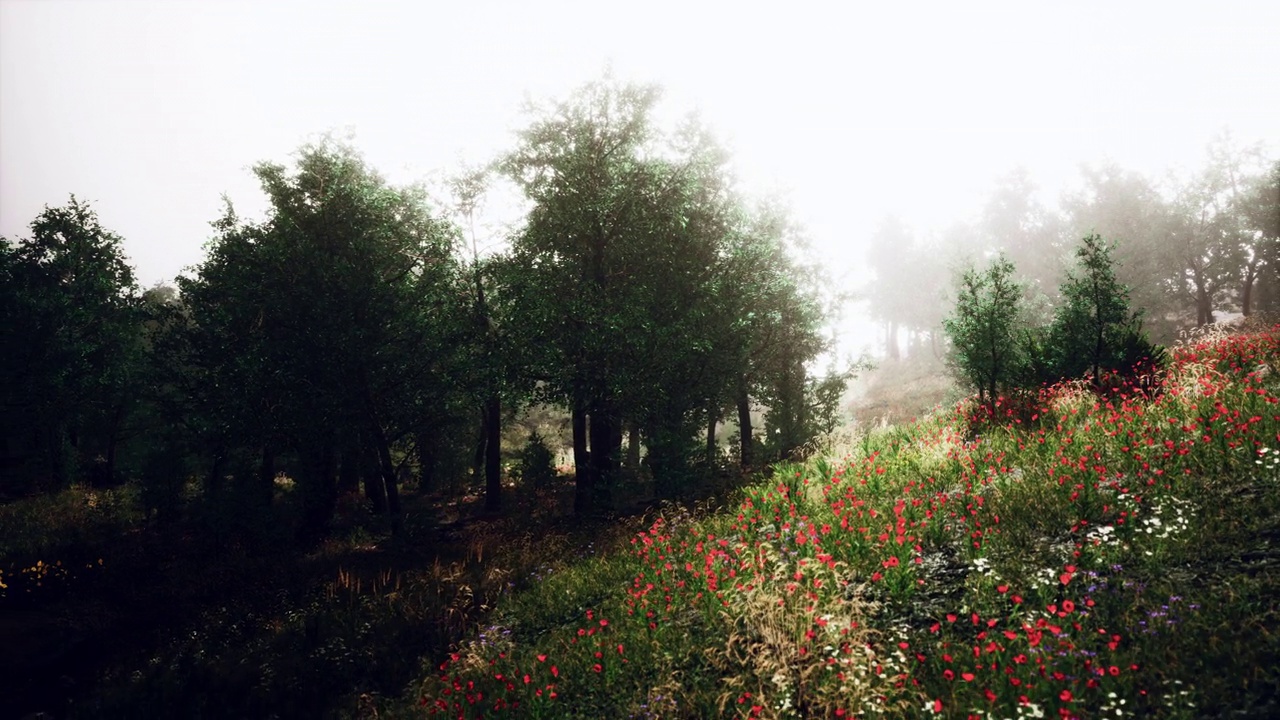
[
  {"x": 1189, "y": 248},
  {"x": 356, "y": 338}
]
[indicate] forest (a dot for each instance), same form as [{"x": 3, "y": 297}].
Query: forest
[{"x": 359, "y": 463}]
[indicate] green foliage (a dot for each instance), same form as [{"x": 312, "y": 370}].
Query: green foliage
[
  {"x": 349, "y": 285},
  {"x": 641, "y": 290},
  {"x": 57, "y": 525},
  {"x": 69, "y": 324},
  {"x": 1093, "y": 332},
  {"x": 537, "y": 464},
  {"x": 983, "y": 327},
  {"x": 1094, "y": 329},
  {"x": 802, "y": 408}
]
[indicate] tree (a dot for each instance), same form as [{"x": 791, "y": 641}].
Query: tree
[
  {"x": 891, "y": 296},
  {"x": 1259, "y": 210},
  {"x": 578, "y": 163},
  {"x": 617, "y": 270},
  {"x": 985, "y": 351},
  {"x": 1094, "y": 328},
  {"x": 906, "y": 292},
  {"x": 1214, "y": 247},
  {"x": 1017, "y": 224},
  {"x": 468, "y": 190},
  {"x": 346, "y": 309},
  {"x": 774, "y": 317},
  {"x": 1127, "y": 206},
  {"x": 71, "y": 333}
]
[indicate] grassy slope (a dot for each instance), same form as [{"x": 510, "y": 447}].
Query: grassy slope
[{"x": 1099, "y": 557}]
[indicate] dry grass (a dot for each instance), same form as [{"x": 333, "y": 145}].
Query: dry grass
[
  {"x": 900, "y": 391},
  {"x": 787, "y": 658}
]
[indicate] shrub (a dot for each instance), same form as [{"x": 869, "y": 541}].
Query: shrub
[
  {"x": 1094, "y": 330},
  {"x": 537, "y": 464}
]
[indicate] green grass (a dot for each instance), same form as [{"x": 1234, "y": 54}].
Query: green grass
[
  {"x": 1099, "y": 556},
  {"x": 48, "y": 542}
]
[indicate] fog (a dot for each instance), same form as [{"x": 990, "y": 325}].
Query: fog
[{"x": 153, "y": 110}]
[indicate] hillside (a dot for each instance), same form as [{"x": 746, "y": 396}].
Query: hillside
[{"x": 1087, "y": 556}]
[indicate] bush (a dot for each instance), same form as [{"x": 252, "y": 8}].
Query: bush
[
  {"x": 1094, "y": 330},
  {"x": 537, "y": 464}
]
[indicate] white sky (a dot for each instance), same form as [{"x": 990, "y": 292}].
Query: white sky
[{"x": 152, "y": 110}]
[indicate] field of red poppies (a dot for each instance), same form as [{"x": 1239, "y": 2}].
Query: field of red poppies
[{"x": 1085, "y": 554}]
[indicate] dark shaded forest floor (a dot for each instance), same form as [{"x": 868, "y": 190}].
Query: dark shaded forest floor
[{"x": 174, "y": 625}]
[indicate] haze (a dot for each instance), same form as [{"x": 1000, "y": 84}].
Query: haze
[{"x": 153, "y": 110}]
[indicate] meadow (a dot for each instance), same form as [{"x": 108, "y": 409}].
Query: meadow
[
  {"x": 1083, "y": 553},
  {"x": 1086, "y": 553}
]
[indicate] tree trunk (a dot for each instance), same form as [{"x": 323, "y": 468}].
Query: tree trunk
[
  {"x": 493, "y": 454},
  {"x": 1204, "y": 307},
  {"x": 583, "y": 485},
  {"x": 477, "y": 458},
  {"x": 388, "y": 473},
  {"x": 712, "y": 420},
  {"x": 56, "y": 455},
  {"x": 604, "y": 456},
  {"x": 319, "y": 492},
  {"x": 743, "y": 401},
  {"x": 349, "y": 466},
  {"x": 371, "y": 473},
  {"x": 891, "y": 341},
  {"x": 633, "y": 447},
  {"x": 267, "y": 475},
  {"x": 1246, "y": 294},
  {"x": 426, "y": 442}
]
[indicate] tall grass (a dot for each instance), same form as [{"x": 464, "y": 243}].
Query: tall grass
[{"x": 1082, "y": 555}]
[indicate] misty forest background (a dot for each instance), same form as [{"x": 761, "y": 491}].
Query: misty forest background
[{"x": 356, "y": 360}]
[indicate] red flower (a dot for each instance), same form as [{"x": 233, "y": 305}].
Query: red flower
[{"x": 1065, "y": 696}]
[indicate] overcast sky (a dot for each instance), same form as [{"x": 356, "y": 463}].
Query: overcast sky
[{"x": 153, "y": 110}]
